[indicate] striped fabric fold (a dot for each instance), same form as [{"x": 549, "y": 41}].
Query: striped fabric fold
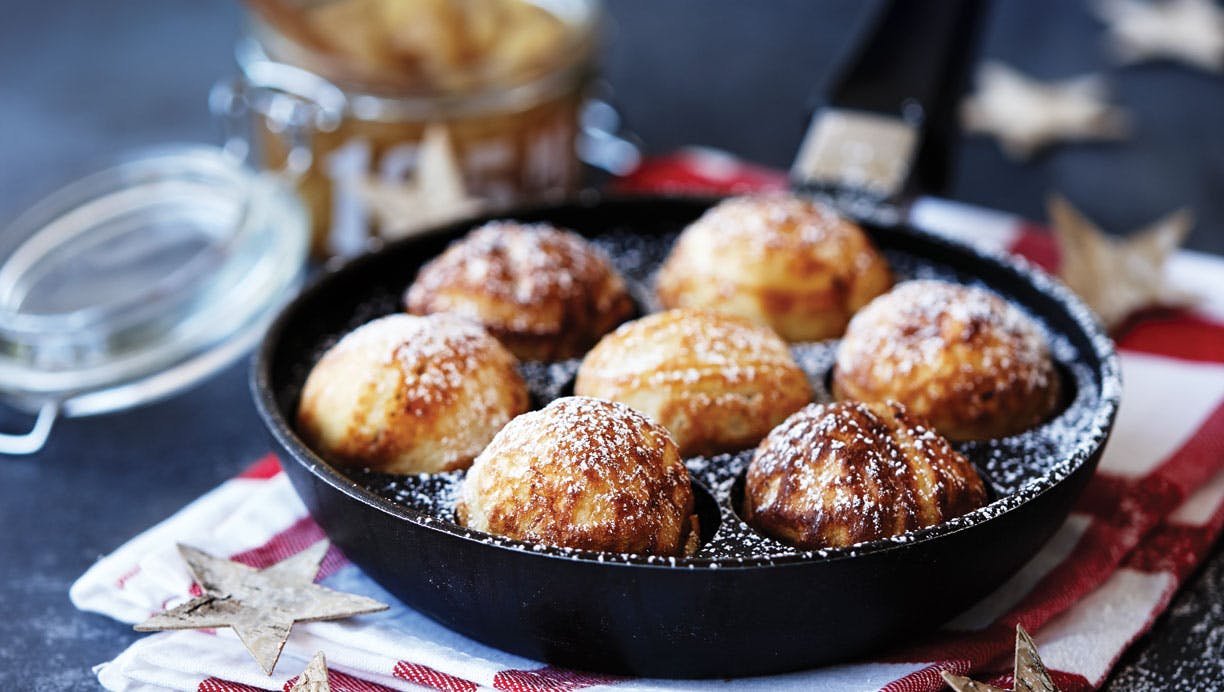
[{"x": 1148, "y": 518}]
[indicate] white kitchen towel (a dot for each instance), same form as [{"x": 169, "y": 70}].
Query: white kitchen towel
[{"x": 1151, "y": 513}]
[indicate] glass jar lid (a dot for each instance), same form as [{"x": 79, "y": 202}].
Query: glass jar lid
[{"x": 140, "y": 280}]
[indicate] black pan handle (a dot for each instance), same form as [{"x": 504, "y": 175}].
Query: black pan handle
[{"x": 911, "y": 65}]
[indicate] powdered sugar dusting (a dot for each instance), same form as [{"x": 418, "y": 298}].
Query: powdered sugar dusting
[
  {"x": 837, "y": 474},
  {"x": 734, "y": 348},
  {"x": 518, "y": 264},
  {"x": 774, "y": 221},
  {"x": 1015, "y": 468},
  {"x": 548, "y": 381},
  {"x": 613, "y": 433},
  {"x": 913, "y": 325},
  {"x": 435, "y": 353},
  {"x": 521, "y": 263}
]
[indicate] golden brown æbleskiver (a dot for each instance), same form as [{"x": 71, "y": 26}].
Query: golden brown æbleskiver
[
  {"x": 583, "y": 473},
  {"x": 778, "y": 259},
  {"x": 961, "y": 357},
  {"x": 844, "y": 473},
  {"x": 545, "y": 293},
  {"x": 717, "y": 382},
  {"x": 407, "y": 394}
]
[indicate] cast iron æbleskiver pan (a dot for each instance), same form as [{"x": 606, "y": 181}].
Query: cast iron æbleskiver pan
[{"x": 744, "y": 605}]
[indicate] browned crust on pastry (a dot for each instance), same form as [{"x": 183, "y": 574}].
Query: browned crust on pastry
[
  {"x": 844, "y": 473},
  {"x": 405, "y": 394},
  {"x": 778, "y": 259},
  {"x": 582, "y": 473},
  {"x": 545, "y": 293},
  {"x": 716, "y": 382},
  {"x": 961, "y": 357}
]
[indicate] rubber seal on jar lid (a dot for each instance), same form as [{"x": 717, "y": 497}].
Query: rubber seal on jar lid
[{"x": 140, "y": 280}]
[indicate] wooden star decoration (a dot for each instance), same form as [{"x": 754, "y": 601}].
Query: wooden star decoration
[
  {"x": 315, "y": 677},
  {"x": 1187, "y": 31},
  {"x": 260, "y": 605},
  {"x": 1118, "y": 276},
  {"x": 1027, "y": 115},
  {"x": 435, "y": 194},
  {"x": 1030, "y": 673}
]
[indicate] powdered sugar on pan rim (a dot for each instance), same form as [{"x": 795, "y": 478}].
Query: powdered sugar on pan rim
[{"x": 1018, "y": 468}]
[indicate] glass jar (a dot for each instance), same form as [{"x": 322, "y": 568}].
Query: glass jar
[{"x": 424, "y": 111}]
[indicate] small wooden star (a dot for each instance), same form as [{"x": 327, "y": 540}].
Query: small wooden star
[
  {"x": 1030, "y": 673},
  {"x": 315, "y": 677},
  {"x": 1117, "y": 276},
  {"x": 1188, "y": 31},
  {"x": 435, "y": 194},
  {"x": 260, "y": 605},
  {"x": 1027, "y": 115}
]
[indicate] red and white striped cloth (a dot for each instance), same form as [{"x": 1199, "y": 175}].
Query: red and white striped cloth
[{"x": 1148, "y": 517}]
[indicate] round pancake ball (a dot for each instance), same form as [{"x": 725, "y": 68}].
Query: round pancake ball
[
  {"x": 583, "y": 473},
  {"x": 546, "y": 293},
  {"x": 961, "y": 357},
  {"x": 838, "y": 474},
  {"x": 781, "y": 260},
  {"x": 717, "y": 382},
  {"x": 407, "y": 394}
]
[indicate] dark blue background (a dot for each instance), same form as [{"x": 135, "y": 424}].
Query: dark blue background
[{"x": 84, "y": 79}]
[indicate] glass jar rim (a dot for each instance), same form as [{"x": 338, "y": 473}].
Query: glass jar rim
[{"x": 263, "y": 67}]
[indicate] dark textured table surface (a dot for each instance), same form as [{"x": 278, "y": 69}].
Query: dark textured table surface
[{"x": 81, "y": 80}]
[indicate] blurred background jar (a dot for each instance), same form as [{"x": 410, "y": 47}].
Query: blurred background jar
[{"x": 420, "y": 111}]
